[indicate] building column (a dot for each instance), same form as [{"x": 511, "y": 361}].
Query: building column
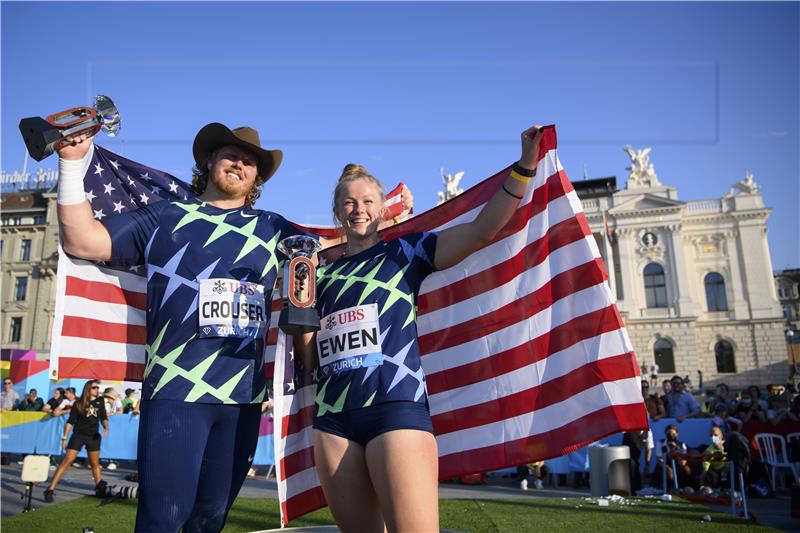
[{"x": 685, "y": 303}]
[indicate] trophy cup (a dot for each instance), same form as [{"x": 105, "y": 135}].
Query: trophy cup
[
  {"x": 298, "y": 314},
  {"x": 44, "y": 136}
]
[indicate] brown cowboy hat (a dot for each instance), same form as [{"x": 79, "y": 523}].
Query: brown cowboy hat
[{"x": 215, "y": 135}]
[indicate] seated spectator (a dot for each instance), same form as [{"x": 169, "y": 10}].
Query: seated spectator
[
  {"x": 53, "y": 403},
  {"x": 724, "y": 420},
  {"x": 66, "y": 403},
  {"x": 669, "y": 445},
  {"x": 9, "y": 398},
  {"x": 747, "y": 409},
  {"x": 32, "y": 402},
  {"x": 779, "y": 409},
  {"x": 680, "y": 404},
  {"x": 721, "y": 396},
  {"x": 532, "y": 472},
  {"x": 112, "y": 401},
  {"x": 655, "y": 405},
  {"x": 713, "y": 469},
  {"x": 129, "y": 403},
  {"x": 796, "y": 406},
  {"x": 755, "y": 394}
]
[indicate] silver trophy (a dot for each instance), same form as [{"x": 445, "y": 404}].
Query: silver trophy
[
  {"x": 298, "y": 290},
  {"x": 44, "y": 136}
]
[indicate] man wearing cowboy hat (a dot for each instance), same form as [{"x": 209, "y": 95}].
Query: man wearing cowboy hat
[{"x": 212, "y": 265}]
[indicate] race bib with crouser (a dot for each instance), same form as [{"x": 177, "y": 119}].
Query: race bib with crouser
[
  {"x": 231, "y": 308},
  {"x": 349, "y": 339}
]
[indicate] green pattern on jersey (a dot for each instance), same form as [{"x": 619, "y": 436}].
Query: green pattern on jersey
[
  {"x": 193, "y": 213},
  {"x": 195, "y": 375},
  {"x": 337, "y": 406},
  {"x": 371, "y": 284}
]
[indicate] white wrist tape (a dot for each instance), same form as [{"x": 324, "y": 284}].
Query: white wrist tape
[{"x": 70, "y": 179}]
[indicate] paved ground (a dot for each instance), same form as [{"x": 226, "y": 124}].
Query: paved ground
[{"x": 77, "y": 482}]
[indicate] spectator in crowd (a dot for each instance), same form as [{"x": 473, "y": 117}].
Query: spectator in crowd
[
  {"x": 532, "y": 472},
  {"x": 755, "y": 394},
  {"x": 637, "y": 442},
  {"x": 666, "y": 387},
  {"x": 654, "y": 374},
  {"x": 680, "y": 404},
  {"x": 748, "y": 409},
  {"x": 129, "y": 403},
  {"x": 53, "y": 403},
  {"x": 67, "y": 403},
  {"x": 671, "y": 445},
  {"x": 724, "y": 420},
  {"x": 655, "y": 405},
  {"x": 779, "y": 409},
  {"x": 9, "y": 399},
  {"x": 721, "y": 396},
  {"x": 112, "y": 401},
  {"x": 713, "y": 468},
  {"x": 86, "y": 416},
  {"x": 796, "y": 406},
  {"x": 32, "y": 402}
]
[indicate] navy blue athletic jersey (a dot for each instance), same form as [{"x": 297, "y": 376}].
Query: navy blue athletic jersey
[
  {"x": 210, "y": 277},
  {"x": 367, "y": 345}
]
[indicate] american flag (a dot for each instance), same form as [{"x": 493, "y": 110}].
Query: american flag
[
  {"x": 525, "y": 353},
  {"x": 99, "y": 324}
]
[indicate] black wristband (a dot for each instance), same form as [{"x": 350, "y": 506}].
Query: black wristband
[
  {"x": 522, "y": 171},
  {"x": 511, "y": 193}
]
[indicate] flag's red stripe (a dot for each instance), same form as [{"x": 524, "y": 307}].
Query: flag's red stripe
[
  {"x": 302, "y": 503},
  {"x": 89, "y": 328},
  {"x": 560, "y": 286},
  {"x": 571, "y": 332},
  {"x": 291, "y": 424},
  {"x": 296, "y": 462},
  {"x": 562, "y": 234},
  {"x": 568, "y": 438},
  {"x": 105, "y": 292},
  {"x": 614, "y": 368},
  {"x": 77, "y": 367},
  {"x": 269, "y": 370}
]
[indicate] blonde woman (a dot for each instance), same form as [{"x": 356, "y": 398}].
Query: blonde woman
[{"x": 374, "y": 446}]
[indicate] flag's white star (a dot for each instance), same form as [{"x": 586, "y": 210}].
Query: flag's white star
[
  {"x": 108, "y": 188},
  {"x": 98, "y": 169},
  {"x": 145, "y": 176},
  {"x": 132, "y": 200},
  {"x": 115, "y": 164},
  {"x": 98, "y": 214},
  {"x": 154, "y": 189},
  {"x": 90, "y": 195},
  {"x": 131, "y": 182},
  {"x": 134, "y": 268},
  {"x": 291, "y": 385},
  {"x": 173, "y": 187},
  {"x": 144, "y": 198},
  {"x": 118, "y": 207},
  {"x": 184, "y": 197}
]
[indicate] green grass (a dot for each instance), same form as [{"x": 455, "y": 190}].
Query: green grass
[{"x": 512, "y": 516}]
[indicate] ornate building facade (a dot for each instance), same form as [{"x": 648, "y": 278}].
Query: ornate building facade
[
  {"x": 693, "y": 280},
  {"x": 29, "y": 250}
]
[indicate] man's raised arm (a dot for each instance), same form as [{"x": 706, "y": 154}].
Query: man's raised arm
[{"x": 81, "y": 235}]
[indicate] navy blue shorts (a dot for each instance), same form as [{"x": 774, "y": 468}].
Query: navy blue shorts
[{"x": 363, "y": 425}]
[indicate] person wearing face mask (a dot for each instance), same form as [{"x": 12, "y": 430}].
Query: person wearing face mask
[
  {"x": 669, "y": 445},
  {"x": 713, "y": 468},
  {"x": 747, "y": 409}
]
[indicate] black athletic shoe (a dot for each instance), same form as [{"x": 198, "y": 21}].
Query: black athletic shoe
[
  {"x": 101, "y": 489},
  {"x": 48, "y": 495}
]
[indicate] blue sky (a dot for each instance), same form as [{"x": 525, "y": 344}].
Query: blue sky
[{"x": 408, "y": 88}]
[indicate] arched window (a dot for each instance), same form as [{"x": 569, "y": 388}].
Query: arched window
[
  {"x": 723, "y": 351},
  {"x": 662, "y": 352},
  {"x": 655, "y": 285},
  {"x": 715, "y": 292}
]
